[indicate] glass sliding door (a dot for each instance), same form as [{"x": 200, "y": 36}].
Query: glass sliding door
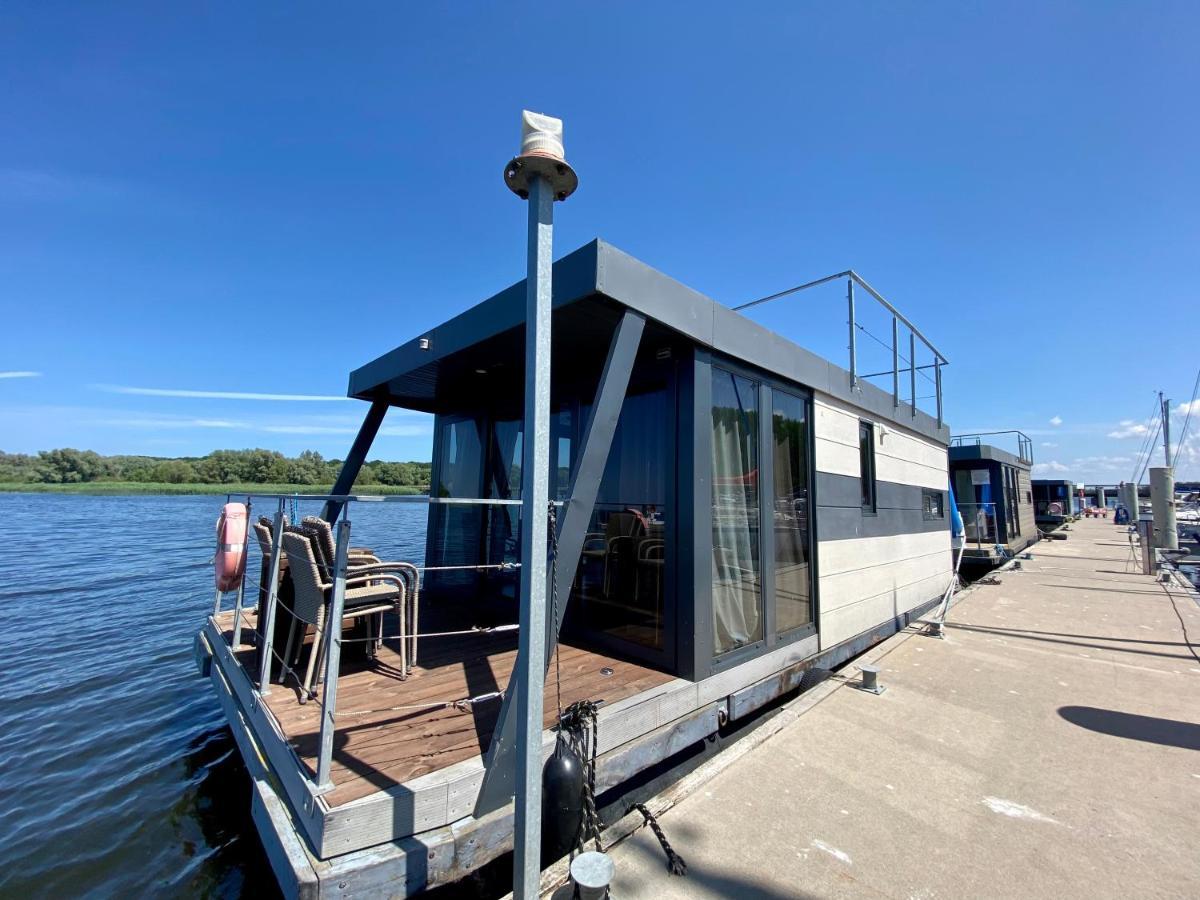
[
  {"x": 789, "y": 496},
  {"x": 736, "y": 571},
  {"x": 621, "y": 598}
]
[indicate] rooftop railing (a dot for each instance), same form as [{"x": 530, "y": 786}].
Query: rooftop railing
[
  {"x": 898, "y": 319},
  {"x": 1024, "y": 442}
]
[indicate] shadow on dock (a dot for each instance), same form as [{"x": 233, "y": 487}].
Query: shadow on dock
[{"x": 1150, "y": 729}]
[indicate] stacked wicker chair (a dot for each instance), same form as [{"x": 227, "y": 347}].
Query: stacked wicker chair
[{"x": 362, "y": 562}]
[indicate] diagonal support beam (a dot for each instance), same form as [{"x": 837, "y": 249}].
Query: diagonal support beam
[
  {"x": 498, "y": 779},
  {"x": 354, "y": 459}
]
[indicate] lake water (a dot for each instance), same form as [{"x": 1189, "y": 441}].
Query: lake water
[{"x": 117, "y": 772}]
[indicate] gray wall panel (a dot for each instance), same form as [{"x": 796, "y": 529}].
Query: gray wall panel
[{"x": 899, "y": 509}]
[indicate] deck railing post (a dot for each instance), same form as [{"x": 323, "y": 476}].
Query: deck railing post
[
  {"x": 937, "y": 378},
  {"x": 912, "y": 370},
  {"x": 853, "y": 338},
  {"x": 268, "y": 620},
  {"x": 333, "y": 655},
  {"x": 241, "y": 591},
  {"x": 895, "y": 363}
]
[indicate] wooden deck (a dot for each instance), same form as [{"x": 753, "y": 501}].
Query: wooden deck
[{"x": 379, "y": 744}]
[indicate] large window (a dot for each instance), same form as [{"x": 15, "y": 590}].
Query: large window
[
  {"x": 622, "y": 579},
  {"x": 737, "y": 579},
  {"x": 866, "y": 464},
  {"x": 789, "y": 427},
  {"x": 454, "y": 530}
]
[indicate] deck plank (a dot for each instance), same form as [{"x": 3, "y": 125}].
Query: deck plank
[{"x": 377, "y": 746}]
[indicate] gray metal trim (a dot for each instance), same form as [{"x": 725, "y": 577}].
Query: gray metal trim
[
  {"x": 600, "y": 268},
  {"x": 354, "y": 459},
  {"x": 985, "y": 452}
]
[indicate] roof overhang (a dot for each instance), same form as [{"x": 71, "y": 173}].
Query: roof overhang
[{"x": 599, "y": 280}]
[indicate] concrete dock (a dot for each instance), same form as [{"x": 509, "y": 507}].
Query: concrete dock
[{"x": 1048, "y": 747}]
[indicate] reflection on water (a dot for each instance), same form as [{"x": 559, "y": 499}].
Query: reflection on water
[{"x": 118, "y": 773}]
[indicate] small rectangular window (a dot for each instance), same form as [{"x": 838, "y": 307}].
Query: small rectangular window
[
  {"x": 933, "y": 504},
  {"x": 866, "y": 462}
]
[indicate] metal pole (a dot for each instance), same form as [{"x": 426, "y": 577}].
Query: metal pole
[
  {"x": 937, "y": 377},
  {"x": 531, "y": 653},
  {"x": 1162, "y": 499},
  {"x": 895, "y": 364},
  {"x": 333, "y": 655},
  {"x": 241, "y": 591},
  {"x": 1166, "y": 420},
  {"x": 853, "y": 337},
  {"x": 912, "y": 371},
  {"x": 268, "y": 624}
]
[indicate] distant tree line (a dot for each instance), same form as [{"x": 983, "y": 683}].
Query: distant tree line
[{"x": 68, "y": 466}]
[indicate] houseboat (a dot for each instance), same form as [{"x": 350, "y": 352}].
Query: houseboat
[
  {"x": 1053, "y": 502},
  {"x": 745, "y": 511},
  {"x": 995, "y": 496}
]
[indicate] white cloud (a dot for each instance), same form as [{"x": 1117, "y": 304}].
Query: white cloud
[
  {"x": 211, "y": 395},
  {"x": 1049, "y": 444},
  {"x": 20, "y": 374},
  {"x": 1128, "y": 428},
  {"x": 1047, "y": 468},
  {"x": 164, "y": 422},
  {"x": 1102, "y": 460},
  {"x": 406, "y": 430},
  {"x": 308, "y": 428},
  {"x": 1056, "y": 421},
  {"x": 1183, "y": 408}
]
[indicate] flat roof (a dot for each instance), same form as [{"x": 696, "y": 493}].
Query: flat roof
[
  {"x": 985, "y": 453},
  {"x": 408, "y": 376}
]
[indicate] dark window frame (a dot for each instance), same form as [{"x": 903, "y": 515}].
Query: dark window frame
[
  {"x": 711, "y": 664},
  {"x": 866, "y": 474},
  {"x": 926, "y": 494}
]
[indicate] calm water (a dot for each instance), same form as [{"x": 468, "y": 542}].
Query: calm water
[{"x": 118, "y": 776}]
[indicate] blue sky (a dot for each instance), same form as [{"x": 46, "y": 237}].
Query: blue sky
[{"x": 224, "y": 200}]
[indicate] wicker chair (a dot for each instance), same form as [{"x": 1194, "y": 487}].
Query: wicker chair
[
  {"x": 362, "y": 561},
  {"x": 371, "y": 595}
]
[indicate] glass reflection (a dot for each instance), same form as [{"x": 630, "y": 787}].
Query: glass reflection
[
  {"x": 737, "y": 580},
  {"x": 789, "y": 427}
]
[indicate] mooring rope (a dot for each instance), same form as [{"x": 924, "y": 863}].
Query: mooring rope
[
  {"x": 579, "y": 727},
  {"x": 675, "y": 863}
]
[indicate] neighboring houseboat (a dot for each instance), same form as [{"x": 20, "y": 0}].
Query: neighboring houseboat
[
  {"x": 749, "y": 511},
  {"x": 1053, "y": 502},
  {"x": 994, "y": 495}
]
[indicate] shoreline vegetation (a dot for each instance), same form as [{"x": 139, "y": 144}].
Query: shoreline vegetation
[
  {"x": 100, "y": 488},
  {"x": 70, "y": 471}
]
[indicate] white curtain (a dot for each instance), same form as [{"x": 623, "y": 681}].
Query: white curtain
[{"x": 737, "y": 617}]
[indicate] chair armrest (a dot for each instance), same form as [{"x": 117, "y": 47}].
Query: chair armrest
[
  {"x": 593, "y": 537},
  {"x": 648, "y": 547}
]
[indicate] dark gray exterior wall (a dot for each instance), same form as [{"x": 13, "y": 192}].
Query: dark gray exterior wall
[{"x": 899, "y": 509}]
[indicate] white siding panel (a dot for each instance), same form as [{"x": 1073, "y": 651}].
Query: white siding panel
[
  {"x": 901, "y": 445},
  {"x": 901, "y": 471},
  {"x": 837, "y": 458},
  {"x": 849, "y": 588},
  {"x": 835, "y": 424},
  {"x": 834, "y": 557},
  {"x": 846, "y": 622}
]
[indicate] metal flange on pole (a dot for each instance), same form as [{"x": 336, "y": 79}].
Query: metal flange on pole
[{"x": 541, "y": 175}]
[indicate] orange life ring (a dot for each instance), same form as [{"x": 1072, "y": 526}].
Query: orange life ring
[{"x": 230, "y": 561}]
